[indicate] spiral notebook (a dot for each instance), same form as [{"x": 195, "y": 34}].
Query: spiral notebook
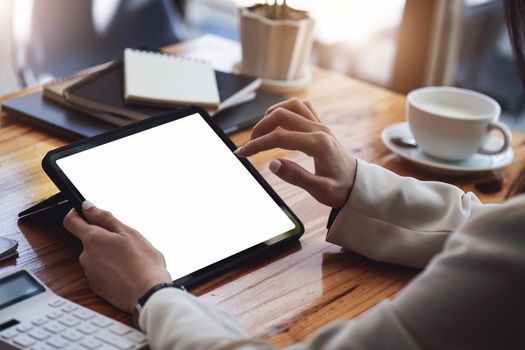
[
  {"x": 151, "y": 77},
  {"x": 103, "y": 92},
  {"x": 55, "y": 91}
]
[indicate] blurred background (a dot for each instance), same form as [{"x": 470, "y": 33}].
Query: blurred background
[{"x": 397, "y": 44}]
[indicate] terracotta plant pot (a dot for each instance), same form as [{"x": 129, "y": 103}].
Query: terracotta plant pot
[{"x": 275, "y": 49}]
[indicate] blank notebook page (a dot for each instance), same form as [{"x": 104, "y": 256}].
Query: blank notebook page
[{"x": 168, "y": 80}]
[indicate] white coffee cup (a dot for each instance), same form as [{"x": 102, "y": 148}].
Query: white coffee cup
[{"x": 452, "y": 123}]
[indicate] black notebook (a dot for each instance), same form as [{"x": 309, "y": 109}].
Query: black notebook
[
  {"x": 36, "y": 111},
  {"x": 103, "y": 91}
]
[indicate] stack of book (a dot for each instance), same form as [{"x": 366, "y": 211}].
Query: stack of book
[
  {"x": 138, "y": 86},
  {"x": 149, "y": 83}
]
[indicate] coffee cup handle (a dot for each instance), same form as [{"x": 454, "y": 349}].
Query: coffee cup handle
[{"x": 507, "y": 138}]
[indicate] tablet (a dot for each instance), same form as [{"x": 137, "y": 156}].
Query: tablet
[{"x": 176, "y": 180}]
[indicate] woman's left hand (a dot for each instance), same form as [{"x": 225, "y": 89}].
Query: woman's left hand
[{"x": 119, "y": 263}]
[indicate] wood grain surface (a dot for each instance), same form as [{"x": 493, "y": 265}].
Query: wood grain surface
[{"x": 283, "y": 297}]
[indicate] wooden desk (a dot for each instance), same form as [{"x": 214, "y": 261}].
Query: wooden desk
[{"x": 283, "y": 298}]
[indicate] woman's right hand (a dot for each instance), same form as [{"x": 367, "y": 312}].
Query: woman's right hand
[{"x": 294, "y": 125}]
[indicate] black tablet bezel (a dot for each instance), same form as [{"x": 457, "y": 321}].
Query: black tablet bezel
[{"x": 71, "y": 192}]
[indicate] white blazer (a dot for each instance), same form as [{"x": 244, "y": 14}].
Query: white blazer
[{"x": 471, "y": 294}]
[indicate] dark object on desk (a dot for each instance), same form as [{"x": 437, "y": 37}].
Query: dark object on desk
[
  {"x": 53, "y": 202},
  {"x": 103, "y": 91},
  {"x": 247, "y": 114},
  {"x": 7, "y": 248},
  {"x": 32, "y": 109}
]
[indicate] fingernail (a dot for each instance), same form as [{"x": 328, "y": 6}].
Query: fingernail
[
  {"x": 87, "y": 205},
  {"x": 238, "y": 150},
  {"x": 275, "y": 165}
]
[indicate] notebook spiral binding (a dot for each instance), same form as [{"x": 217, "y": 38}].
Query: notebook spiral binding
[
  {"x": 166, "y": 55},
  {"x": 82, "y": 73},
  {"x": 90, "y": 77}
]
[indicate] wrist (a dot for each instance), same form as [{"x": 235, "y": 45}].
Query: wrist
[
  {"x": 149, "y": 281},
  {"x": 352, "y": 170},
  {"x": 351, "y": 178},
  {"x": 142, "y": 300},
  {"x": 345, "y": 184}
]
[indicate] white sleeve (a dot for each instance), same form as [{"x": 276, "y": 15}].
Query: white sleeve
[
  {"x": 397, "y": 219},
  {"x": 174, "y": 319},
  {"x": 469, "y": 297}
]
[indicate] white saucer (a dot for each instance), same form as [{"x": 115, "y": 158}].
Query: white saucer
[
  {"x": 281, "y": 86},
  {"x": 476, "y": 163}
]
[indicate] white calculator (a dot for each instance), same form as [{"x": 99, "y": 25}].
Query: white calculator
[{"x": 33, "y": 317}]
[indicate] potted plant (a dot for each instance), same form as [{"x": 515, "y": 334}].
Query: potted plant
[{"x": 276, "y": 41}]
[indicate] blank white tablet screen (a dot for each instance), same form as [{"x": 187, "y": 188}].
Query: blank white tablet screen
[{"x": 182, "y": 188}]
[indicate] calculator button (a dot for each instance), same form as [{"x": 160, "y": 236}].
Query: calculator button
[
  {"x": 76, "y": 347},
  {"x": 72, "y": 335},
  {"x": 53, "y": 315},
  {"x": 84, "y": 314},
  {"x": 41, "y": 346},
  {"x": 23, "y": 340},
  {"x": 25, "y": 327},
  {"x": 69, "y": 308},
  {"x": 106, "y": 347},
  {"x": 39, "y": 334},
  {"x": 102, "y": 322},
  {"x": 57, "y": 342},
  {"x": 69, "y": 321},
  {"x": 137, "y": 337},
  {"x": 54, "y": 328},
  {"x": 90, "y": 343},
  {"x": 119, "y": 329},
  {"x": 111, "y": 339},
  {"x": 39, "y": 321},
  {"x": 57, "y": 303},
  {"x": 9, "y": 333},
  {"x": 86, "y": 328}
]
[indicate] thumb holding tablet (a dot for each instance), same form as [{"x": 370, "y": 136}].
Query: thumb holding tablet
[
  {"x": 119, "y": 263},
  {"x": 102, "y": 218}
]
